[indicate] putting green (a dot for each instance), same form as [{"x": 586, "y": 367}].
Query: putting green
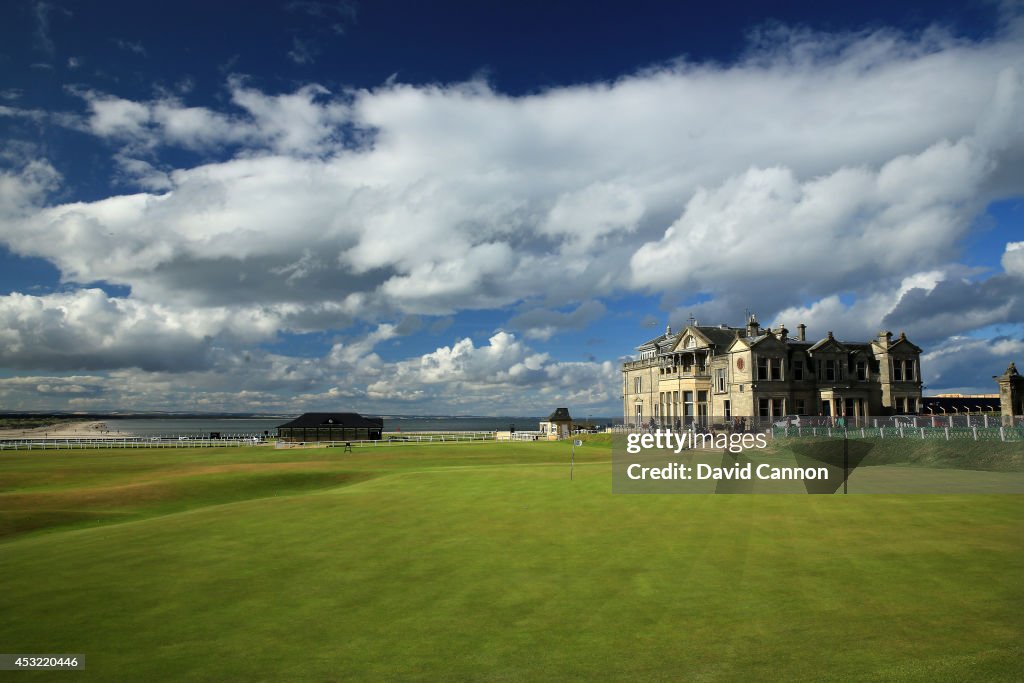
[{"x": 484, "y": 561}]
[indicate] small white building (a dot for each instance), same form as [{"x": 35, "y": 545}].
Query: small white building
[{"x": 557, "y": 426}]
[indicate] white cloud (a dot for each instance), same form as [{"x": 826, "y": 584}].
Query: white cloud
[
  {"x": 1013, "y": 259},
  {"x": 827, "y": 232},
  {"x": 858, "y": 320},
  {"x": 542, "y": 323},
  {"x": 117, "y": 117},
  {"x": 459, "y": 197},
  {"x": 502, "y": 376},
  {"x": 593, "y": 212},
  {"x": 965, "y": 365},
  {"x": 494, "y": 378},
  {"x": 22, "y": 191},
  {"x": 360, "y": 351},
  {"x": 87, "y": 329},
  {"x": 300, "y": 123},
  {"x": 817, "y": 168}
]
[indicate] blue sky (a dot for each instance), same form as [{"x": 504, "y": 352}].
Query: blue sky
[{"x": 481, "y": 208}]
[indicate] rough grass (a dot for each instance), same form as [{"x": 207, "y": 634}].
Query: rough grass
[
  {"x": 995, "y": 456},
  {"x": 484, "y": 562},
  {"x": 961, "y": 454}
]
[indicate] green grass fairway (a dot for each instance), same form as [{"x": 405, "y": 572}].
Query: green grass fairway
[{"x": 485, "y": 562}]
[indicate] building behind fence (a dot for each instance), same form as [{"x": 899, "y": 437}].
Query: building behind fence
[
  {"x": 704, "y": 371},
  {"x": 318, "y": 427}
]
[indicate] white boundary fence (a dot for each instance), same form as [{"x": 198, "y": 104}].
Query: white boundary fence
[
  {"x": 936, "y": 427},
  {"x": 1015, "y": 434},
  {"x": 395, "y": 439},
  {"x": 57, "y": 444},
  {"x": 430, "y": 437}
]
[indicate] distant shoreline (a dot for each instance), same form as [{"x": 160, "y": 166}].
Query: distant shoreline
[
  {"x": 67, "y": 430},
  {"x": 166, "y": 426}
]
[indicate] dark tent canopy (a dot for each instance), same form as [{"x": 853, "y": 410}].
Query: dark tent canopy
[{"x": 332, "y": 427}]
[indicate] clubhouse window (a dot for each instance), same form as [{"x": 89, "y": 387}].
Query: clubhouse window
[
  {"x": 909, "y": 370},
  {"x": 770, "y": 407},
  {"x": 798, "y": 369},
  {"x": 769, "y": 368},
  {"x": 830, "y": 370}
]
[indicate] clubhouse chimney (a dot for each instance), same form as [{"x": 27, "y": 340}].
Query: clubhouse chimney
[
  {"x": 753, "y": 327},
  {"x": 801, "y": 332}
]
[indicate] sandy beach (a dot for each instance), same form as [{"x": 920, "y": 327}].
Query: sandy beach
[{"x": 66, "y": 430}]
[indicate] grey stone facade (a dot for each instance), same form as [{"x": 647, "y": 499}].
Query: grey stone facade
[{"x": 1011, "y": 394}]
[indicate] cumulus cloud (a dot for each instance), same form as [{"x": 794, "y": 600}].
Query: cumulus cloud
[
  {"x": 957, "y": 306},
  {"x": 859, "y": 320},
  {"x": 817, "y": 170},
  {"x": 542, "y": 323},
  {"x": 41, "y": 391},
  {"x": 354, "y": 353},
  {"x": 828, "y": 232},
  {"x": 288, "y": 123},
  {"x": 501, "y": 376},
  {"x": 87, "y": 329},
  {"x": 428, "y": 199},
  {"x": 493, "y": 378},
  {"x": 23, "y": 190},
  {"x": 965, "y": 365},
  {"x": 1013, "y": 259}
]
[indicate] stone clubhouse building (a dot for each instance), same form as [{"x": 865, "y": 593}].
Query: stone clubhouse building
[{"x": 714, "y": 374}]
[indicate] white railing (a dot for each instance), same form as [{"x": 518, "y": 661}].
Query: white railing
[
  {"x": 72, "y": 443},
  {"x": 397, "y": 440},
  {"x": 435, "y": 436},
  {"x": 908, "y": 431},
  {"x": 390, "y": 439}
]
